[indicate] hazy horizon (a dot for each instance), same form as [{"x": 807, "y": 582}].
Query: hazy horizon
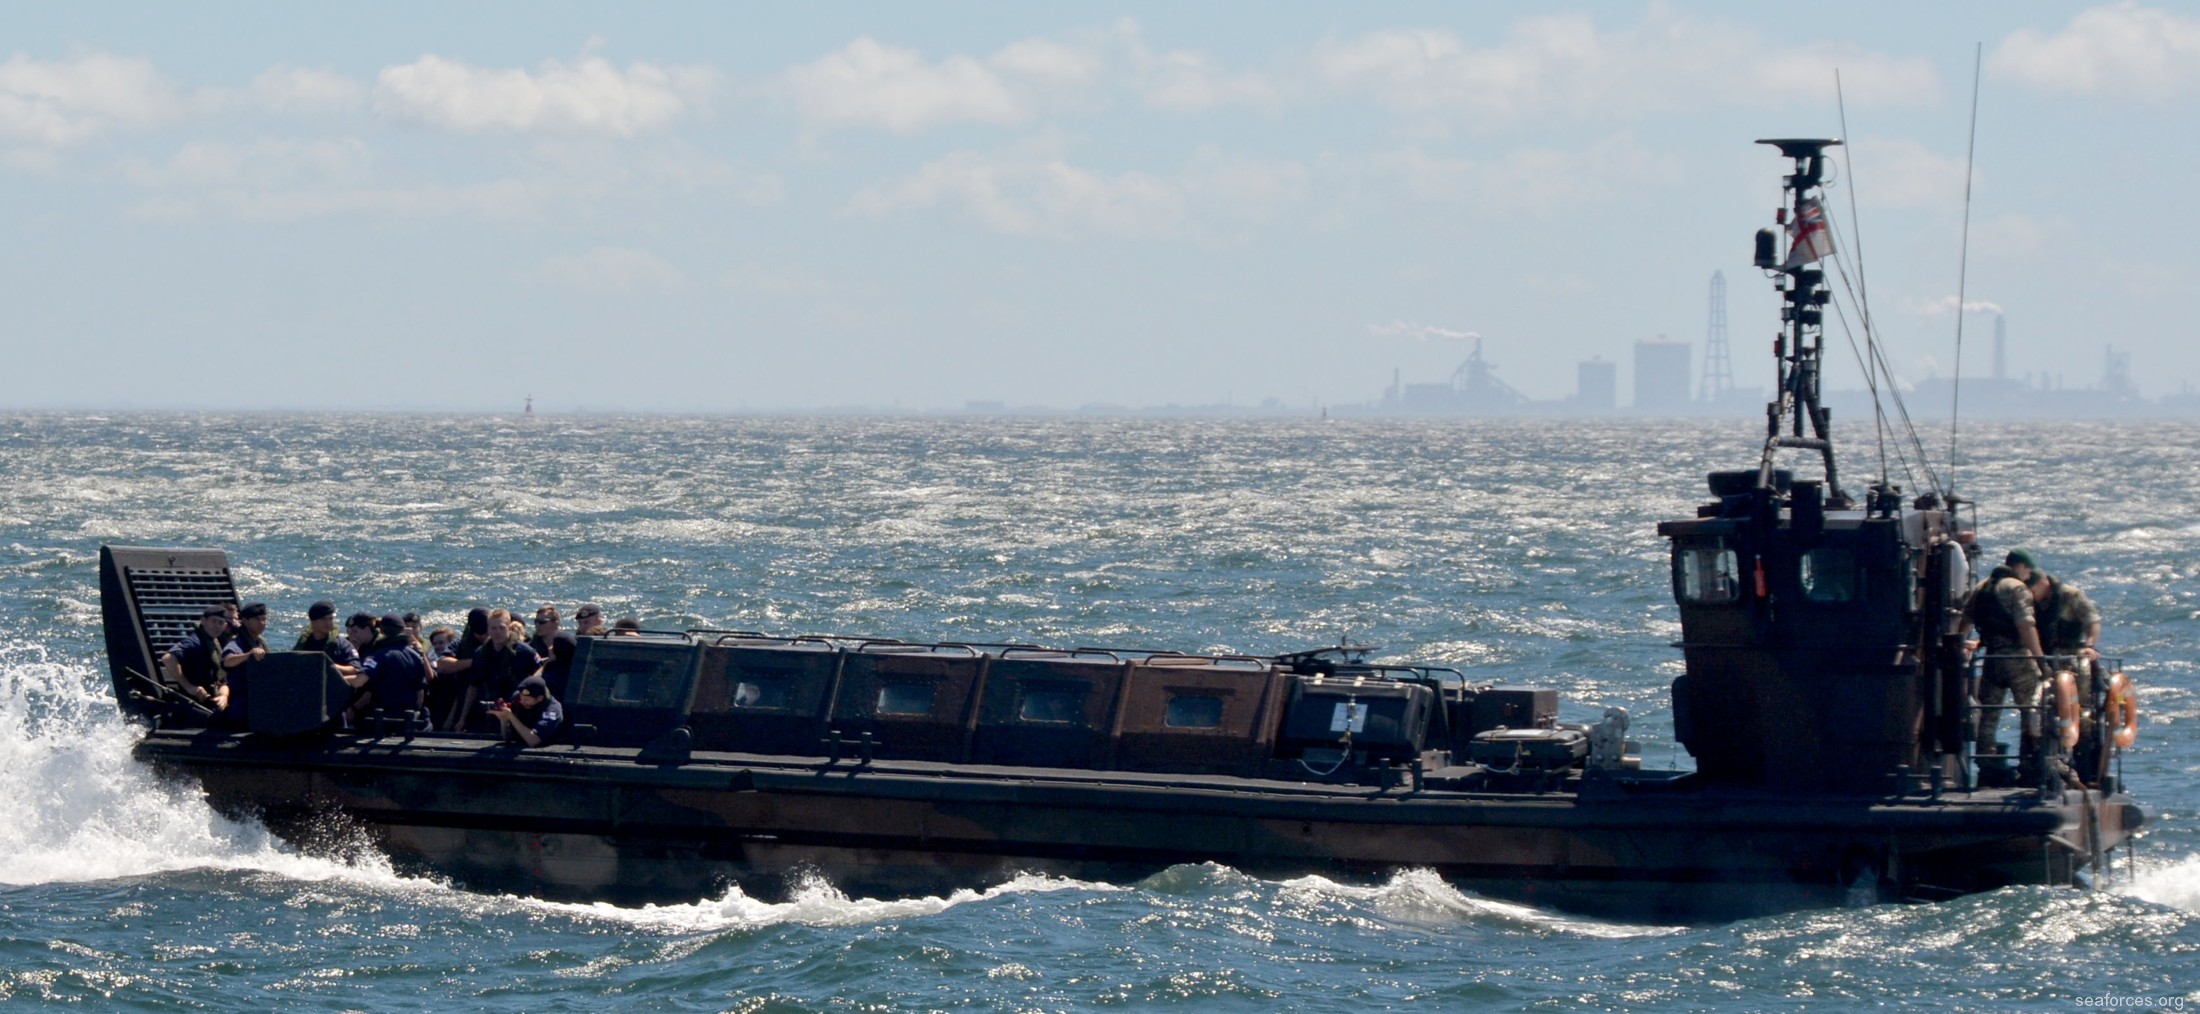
[{"x": 728, "y": 210}]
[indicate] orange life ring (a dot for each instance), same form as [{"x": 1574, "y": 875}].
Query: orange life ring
[
  {"x": 2066, "y": 708},
  {"x": 2123, "y": 710}
]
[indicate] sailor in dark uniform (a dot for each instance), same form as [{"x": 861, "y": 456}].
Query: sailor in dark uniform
[
  {"x": 498, "y": 667},
  {"x": 393, "y": 673},
  {"x": 194, "y": 662},
  {"x": 532, "y": 716},
  {"x": 321, "y": 636},
  {"x": 246, "y": 641},
  {"x": 453, "y": 673}
]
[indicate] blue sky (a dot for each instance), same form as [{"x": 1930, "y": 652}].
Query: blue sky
[{"x": 759, "y": 208}]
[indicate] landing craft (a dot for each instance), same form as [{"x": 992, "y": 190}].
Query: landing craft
[{"x": 1825, "y": 700}]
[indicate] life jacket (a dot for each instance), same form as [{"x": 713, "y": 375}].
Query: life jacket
[
  {"x": 2058, "y": 635},
  {"x": 1994, "y": 622}
]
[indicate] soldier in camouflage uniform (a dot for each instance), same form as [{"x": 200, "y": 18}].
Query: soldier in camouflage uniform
[
  {"x": 2068, "y": 622},
  {"x": 2001, "y": 608}
]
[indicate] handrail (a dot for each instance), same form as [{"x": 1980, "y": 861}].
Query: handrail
[{"x": 724, "y": 633}]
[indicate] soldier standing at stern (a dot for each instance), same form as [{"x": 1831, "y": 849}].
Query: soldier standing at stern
[
  {"x": 2001, "y": 608},
  {"x": 2069, "y": 624}
]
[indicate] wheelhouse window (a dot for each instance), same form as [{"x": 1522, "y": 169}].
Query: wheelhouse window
[
  {"x": 905, "y": 699},
  {"x": 1706, "y": 573},
  {"x": 1190, "y": 712},
  {"x": 1052, "y": 705},
  {"x": 762, "y": 693},
  {"x": 1828, "y": 575}
]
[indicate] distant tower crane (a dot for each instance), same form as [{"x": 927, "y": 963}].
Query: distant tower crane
[{"x": 1718, "y": 369}]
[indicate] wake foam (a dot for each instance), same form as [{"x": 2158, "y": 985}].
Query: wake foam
[
  {"x": 75, "y": 806},
  {"x": 1411, "y": 898},
  {"x": 814, "y": 902},
  {"x": 1422, "y": 898},
  {"x": 2175, "y": 883}
]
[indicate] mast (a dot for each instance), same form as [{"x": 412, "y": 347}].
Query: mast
[
  {"x": 1718, "y": 369},
  {"x": 1795, "y": 418}
]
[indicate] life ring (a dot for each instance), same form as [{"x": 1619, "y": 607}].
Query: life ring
[
  {"x": 2066, "y": 708},
  {"x": 2123, "y": 710}
]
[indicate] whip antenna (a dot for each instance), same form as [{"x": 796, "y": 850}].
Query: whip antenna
[
  {"x": 1963, "y": 267},
  {"x": 1863, "y": 294}
]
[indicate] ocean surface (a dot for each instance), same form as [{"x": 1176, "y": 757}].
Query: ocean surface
[{"x": 1520, "y": 551}]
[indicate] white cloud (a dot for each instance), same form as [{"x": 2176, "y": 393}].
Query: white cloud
[
  {"x": 2011, "y": 234},
  {"x": 588, "y": 96},
  {"x": 1424, "y": 176},
  {"x": 690, "y": 171},
  {"x": 1241, "y": 188},
  {"x": 1419, "y": 331},
  {"x": 1185, "y": 80},
  {"x": 1565, "y": 64},
  {"x": 1894, "y": 173},
  {"x": 1048, "y": 61},
  {"x": 2119, "y": 49},
  {"x": 509, "y": 200},
  {"x": 1526, "y": 180},
  {"x": 288, "y": 89},
  {"x": 262, "y": 163},
  {"x": 1946, "y": 305},
  {"x": 1189, "y": 81},
  {"x": 1035, "y": 198},
  {"x": 868, "y": 83},
  {"x": 1023, "y": 196},
  {"x": 33, "y": 161},
  {"x": 614, "y": 271},
  {"x": 58, "y": 102}
]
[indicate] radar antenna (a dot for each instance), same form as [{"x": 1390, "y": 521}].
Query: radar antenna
[{"x": 1796, "y": 409}]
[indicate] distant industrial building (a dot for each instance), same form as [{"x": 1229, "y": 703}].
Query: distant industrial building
[
  {"x": 1473, "y": 390},
  {"x": 1596, "y": 387},
  {"x": 1661, "y": 377}
]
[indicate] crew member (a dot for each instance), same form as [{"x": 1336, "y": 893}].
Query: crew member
[
  {"x": 393, "y": 674},
  {"x": 194, "y": 661},
  {"x": 247, "y": 643},
  {"x": 532, "y": 717},
  {"x": 447, "y": 690},
  {"x": 588, "y": 621},
  {"x": 359, "y": 630},
  {"x": 546, "y": 627},
  {"x": 2068, "y": 623},
  {"x": 2001, "y": 608},
  {"x": 321, "y": 636},
  {"x": 499, "y": 666},
  {"x": 557, "y": 667}
]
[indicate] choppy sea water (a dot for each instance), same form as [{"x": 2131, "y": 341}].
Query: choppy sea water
[{"x": 1521, "y": 551}]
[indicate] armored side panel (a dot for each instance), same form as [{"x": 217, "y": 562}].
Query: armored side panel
[
  {"x": 764, "y": 696},
  {"x": 917, "y": 702},
  {"x": 1512, "y": 708},
  {"x": 148, "y": 599},
  {"x": 631, "y": 689},
  {"x": 1199, "y": 716},
  {"x": 1055, "y": 710},
  {"x": 1383, "y": 718},
  {"x": 288, "y": 693}
]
